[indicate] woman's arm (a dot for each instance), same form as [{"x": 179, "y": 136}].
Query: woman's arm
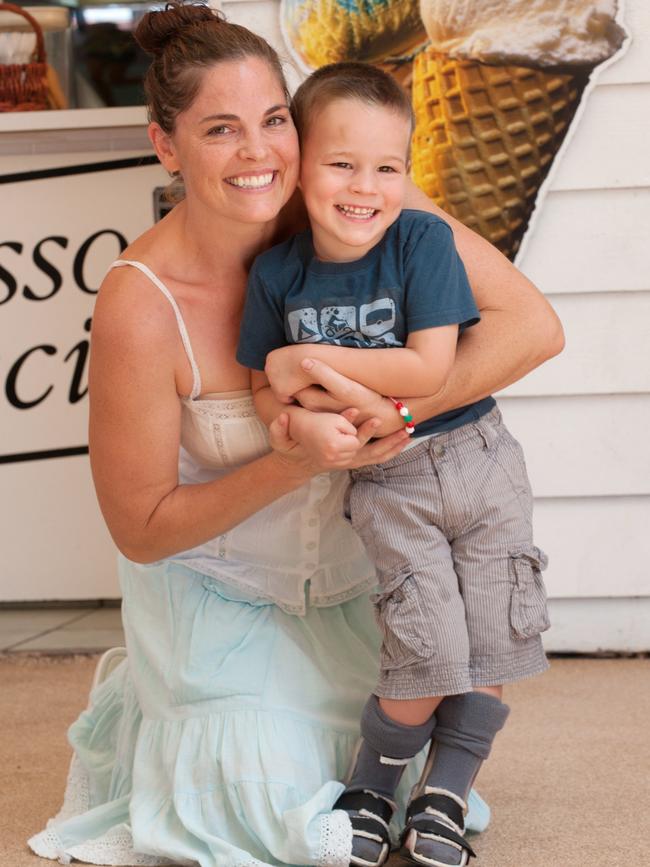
[
  {"x": 518, "y": 329},
  {"x": 135, "y": 435},
  {"x": 421, "y": 367}
]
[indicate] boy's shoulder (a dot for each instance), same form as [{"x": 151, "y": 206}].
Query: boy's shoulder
[
  {"x": 273, "y": 261},
  {"x": 418, "y": 232},
  {"x": 412, "y": 220}
]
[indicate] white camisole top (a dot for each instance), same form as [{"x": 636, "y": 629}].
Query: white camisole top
[{"x": 298, "y": 550}]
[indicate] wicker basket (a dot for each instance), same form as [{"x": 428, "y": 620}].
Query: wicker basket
[
  {"x": 31, "y": 86},
  {"x": 486, "y": 137}
]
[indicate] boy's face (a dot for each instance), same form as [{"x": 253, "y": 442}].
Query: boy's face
[{"x": 353, "y": 176}]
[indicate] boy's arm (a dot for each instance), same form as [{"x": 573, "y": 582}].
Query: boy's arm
[
  {"x": 322, "y": 435},
  {"x": 420, "y": 368}
]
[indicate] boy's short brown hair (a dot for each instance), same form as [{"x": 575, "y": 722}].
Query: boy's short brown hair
[{"x": 347, "y": 80}]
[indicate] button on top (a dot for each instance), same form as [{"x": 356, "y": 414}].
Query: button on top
[{"x": 439, "y": 450}]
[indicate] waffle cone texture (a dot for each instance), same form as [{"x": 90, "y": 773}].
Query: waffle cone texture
[
  {"x": 329, "y": 31},
  {"x": 486, "y": 137}
]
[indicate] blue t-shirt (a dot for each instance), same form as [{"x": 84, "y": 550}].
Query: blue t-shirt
[{"x": 412, "y": 279}]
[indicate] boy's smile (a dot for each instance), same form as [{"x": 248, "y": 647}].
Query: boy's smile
[{"x": 353, "y": 176}]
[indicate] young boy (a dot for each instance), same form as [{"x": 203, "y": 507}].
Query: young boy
[{"x": 380, "y": 294}]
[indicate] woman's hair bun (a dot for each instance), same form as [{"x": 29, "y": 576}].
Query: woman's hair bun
[{"x": 156, "y": 29}]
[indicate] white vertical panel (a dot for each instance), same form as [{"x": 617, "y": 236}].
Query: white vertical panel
[
  {"x": 597, "y": 546},
  {"x": 607, "y": 340},
  {"x": 583, "y": 446},
  {"x": 634, "y": 64},
  {"x": 55, "y": 544},
  {"x": 609, "y": 144},
  {"x": 590, "y": 241}
]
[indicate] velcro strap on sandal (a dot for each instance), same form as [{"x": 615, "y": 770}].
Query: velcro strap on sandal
[
  {"x": 431, "y": 825},
  {"x": 358, "y": 801},
  {"x": 439, "y": 803},
  {"x": 369, "y": 827}
]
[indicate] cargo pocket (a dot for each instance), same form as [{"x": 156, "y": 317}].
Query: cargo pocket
[
  {"x": 528, "y": 608},
  {"x": 402, "y": 622}
]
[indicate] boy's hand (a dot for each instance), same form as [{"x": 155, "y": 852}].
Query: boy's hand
[
  {"x": 331, "y": 442},
  {"x": 284, "y": 372},
  {"x": 325, "y": 437}
]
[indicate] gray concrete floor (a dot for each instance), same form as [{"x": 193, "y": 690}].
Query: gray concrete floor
[{"x": 60, "y": 630}]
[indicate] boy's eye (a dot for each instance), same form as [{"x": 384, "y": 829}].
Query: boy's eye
[
  {"x": 387, "y": 169},
  {"x": 342, "y": 165}
]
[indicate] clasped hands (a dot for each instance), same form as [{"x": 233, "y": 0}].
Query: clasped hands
[{"x": 344, "y": 415}]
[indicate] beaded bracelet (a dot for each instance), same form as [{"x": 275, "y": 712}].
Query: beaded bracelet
[{"x": 403, "y": 410}]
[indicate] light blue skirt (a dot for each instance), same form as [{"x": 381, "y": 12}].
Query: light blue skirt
[{"x": 222, "y": 741}]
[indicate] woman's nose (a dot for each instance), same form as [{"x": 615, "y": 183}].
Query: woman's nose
[{"x": 253, "y": 147}]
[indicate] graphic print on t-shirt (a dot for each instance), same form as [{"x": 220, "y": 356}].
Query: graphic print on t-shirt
[{"x": 368, "y": 326}]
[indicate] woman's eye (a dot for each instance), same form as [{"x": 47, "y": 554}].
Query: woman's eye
[
  {"x": 219, "y": 130},
  {"x": 276, "y": 120}
]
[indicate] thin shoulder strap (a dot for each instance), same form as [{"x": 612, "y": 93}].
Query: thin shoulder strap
[{"x": 196, "y": 376}]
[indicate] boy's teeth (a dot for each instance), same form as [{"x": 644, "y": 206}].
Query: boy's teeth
[
  {"x": 252, "y": 180},
  {"x": 357, "y": 212}
]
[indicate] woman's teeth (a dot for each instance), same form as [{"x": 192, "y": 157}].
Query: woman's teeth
[
  {"x": 251, "y": 181},
  {"x": 357, "y": 213}
]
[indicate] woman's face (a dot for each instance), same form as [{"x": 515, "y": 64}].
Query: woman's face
[{"x": 236, "y": 146}]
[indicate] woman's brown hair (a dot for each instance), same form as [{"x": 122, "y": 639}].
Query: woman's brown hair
[{"x": 184, "y": 40}]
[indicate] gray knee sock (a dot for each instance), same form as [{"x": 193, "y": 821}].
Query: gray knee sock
[
  {"x": 466, "y": 727},
  {"x": 386, "y": 748}
]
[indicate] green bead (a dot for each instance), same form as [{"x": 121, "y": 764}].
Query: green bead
[{"x": 408, "y": 418}]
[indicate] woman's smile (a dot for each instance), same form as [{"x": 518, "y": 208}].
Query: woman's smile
[{"x": 253, "y": 182}]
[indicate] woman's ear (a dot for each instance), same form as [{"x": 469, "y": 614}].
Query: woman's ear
[{"x": 164, "y": 148}]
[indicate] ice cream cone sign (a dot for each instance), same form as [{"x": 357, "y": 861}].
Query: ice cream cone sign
[{"x": 495, "y": 88}]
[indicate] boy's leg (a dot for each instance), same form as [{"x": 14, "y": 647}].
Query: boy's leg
[
  {"x": 425, "y": 648},
  {"x": 466, "y": 727},
  {"x": 498, "y": 569},
  {"x": 386, "y": 748}
]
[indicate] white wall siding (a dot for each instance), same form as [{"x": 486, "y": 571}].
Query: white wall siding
[
  {"x": 634, "y": 66},
  {"x": 590, "y": 240},
  {"x": 619, "y": 158},
  {"x": 583, "y": 417},
  {"x": 589, "y": 541},
  {"x": 607, "y": 339},
  {"x": 583, "y": 446}
]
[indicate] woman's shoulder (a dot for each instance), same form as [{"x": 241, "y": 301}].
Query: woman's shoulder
[{"x": 130, "y": 307}]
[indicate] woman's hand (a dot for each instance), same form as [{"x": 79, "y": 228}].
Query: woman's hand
[
  {"x": 330, "y": 441},
  {"x": 333, "y": 392},
  {"x": 285, "y": 372}
]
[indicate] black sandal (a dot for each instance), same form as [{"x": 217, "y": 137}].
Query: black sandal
[
  {"x": 444, "y": 822},
  {"x": 371, "y": 815}
]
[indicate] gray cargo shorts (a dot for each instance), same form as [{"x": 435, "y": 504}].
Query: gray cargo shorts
[{"x": 448, "y": 525}]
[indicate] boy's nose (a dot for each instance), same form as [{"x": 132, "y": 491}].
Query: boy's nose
[{"x": 364, "y": 182}]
